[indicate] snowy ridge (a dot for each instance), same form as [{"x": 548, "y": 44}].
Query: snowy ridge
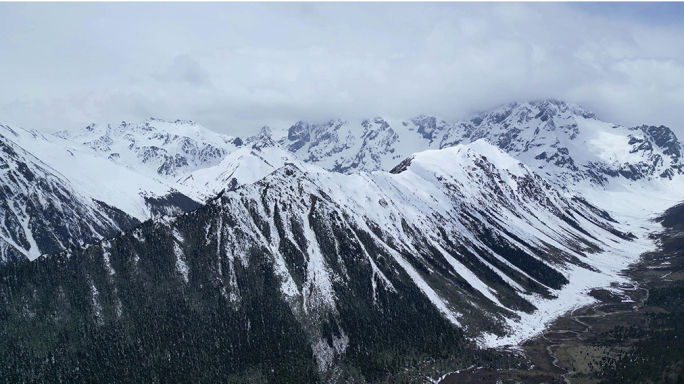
[
  {"x": 469, "y": 226},
  {"x": 248, "y": 164},
  {"x": 569, "y": 144},
  {"x": 503, "y": 197},
  {"x": 41, "y": 211},
  {"x": 342, "y": 147},
  {"x": 565, "y": 143},
  {"x": 56, "y": 194},
  {"x": 156, "y": 148}
]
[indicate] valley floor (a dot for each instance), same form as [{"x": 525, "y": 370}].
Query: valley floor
[{"x": 629, "y": 335}]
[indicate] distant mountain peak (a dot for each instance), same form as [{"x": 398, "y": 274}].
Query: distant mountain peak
[
  {"x": 557, "y": 106},
  {"x": 156, "y": 147},
  {"x": 185, "y": 122},
  {"x": 565, "y": 139},
  {"x": 264, "y": 132}
]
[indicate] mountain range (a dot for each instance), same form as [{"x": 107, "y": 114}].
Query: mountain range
[{"x": 338, "y": 252}]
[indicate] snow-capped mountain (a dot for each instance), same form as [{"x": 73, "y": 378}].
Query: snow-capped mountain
[
  {"x": 333, "y": 252},
  {"x": 155, "y": 147},
  {"x": 569, "y": 144},
  {"x": 566, "y": 143},
  {"x": 341, "y": 147},
  {"x": 258, "y": 157},
  {"x": 55, "y": 195},
  {"x": 349, "y": 275}
]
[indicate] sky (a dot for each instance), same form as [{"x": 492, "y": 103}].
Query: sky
[{"x": 234, "y": 67}]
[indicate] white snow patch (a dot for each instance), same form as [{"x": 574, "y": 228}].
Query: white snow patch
[
  {"x": 325, "y": 354},
  {"x": 181, "y": 266}
]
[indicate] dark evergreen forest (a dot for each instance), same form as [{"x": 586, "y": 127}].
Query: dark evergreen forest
[{"x": 79, "y": 316}]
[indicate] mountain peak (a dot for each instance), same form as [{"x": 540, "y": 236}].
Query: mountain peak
[
  {"x": 558, "y": 106},
  {"x": 544, "y": 109},
  {"x": 565, "y": 139},
  {"x": 265, "y": 131},
  {"x": 262, "y": 139}
]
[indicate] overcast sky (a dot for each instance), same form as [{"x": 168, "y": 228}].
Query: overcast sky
[{"x": 234, "y": 67}]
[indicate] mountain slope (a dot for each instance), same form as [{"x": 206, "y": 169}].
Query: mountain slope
[
  {"x": 55, "y": 196},
  {"x": 475, "y": 200},
  {"x": 310, "y": 275}
]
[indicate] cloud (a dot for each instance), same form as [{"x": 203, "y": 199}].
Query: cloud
[
  {"x": 234, "y": 67},
  {"x": 185, "y": 70}
]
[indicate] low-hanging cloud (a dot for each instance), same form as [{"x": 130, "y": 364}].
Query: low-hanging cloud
[
  {"x": 184, "y": 69},
  {"x": 235, "y": 67}
]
